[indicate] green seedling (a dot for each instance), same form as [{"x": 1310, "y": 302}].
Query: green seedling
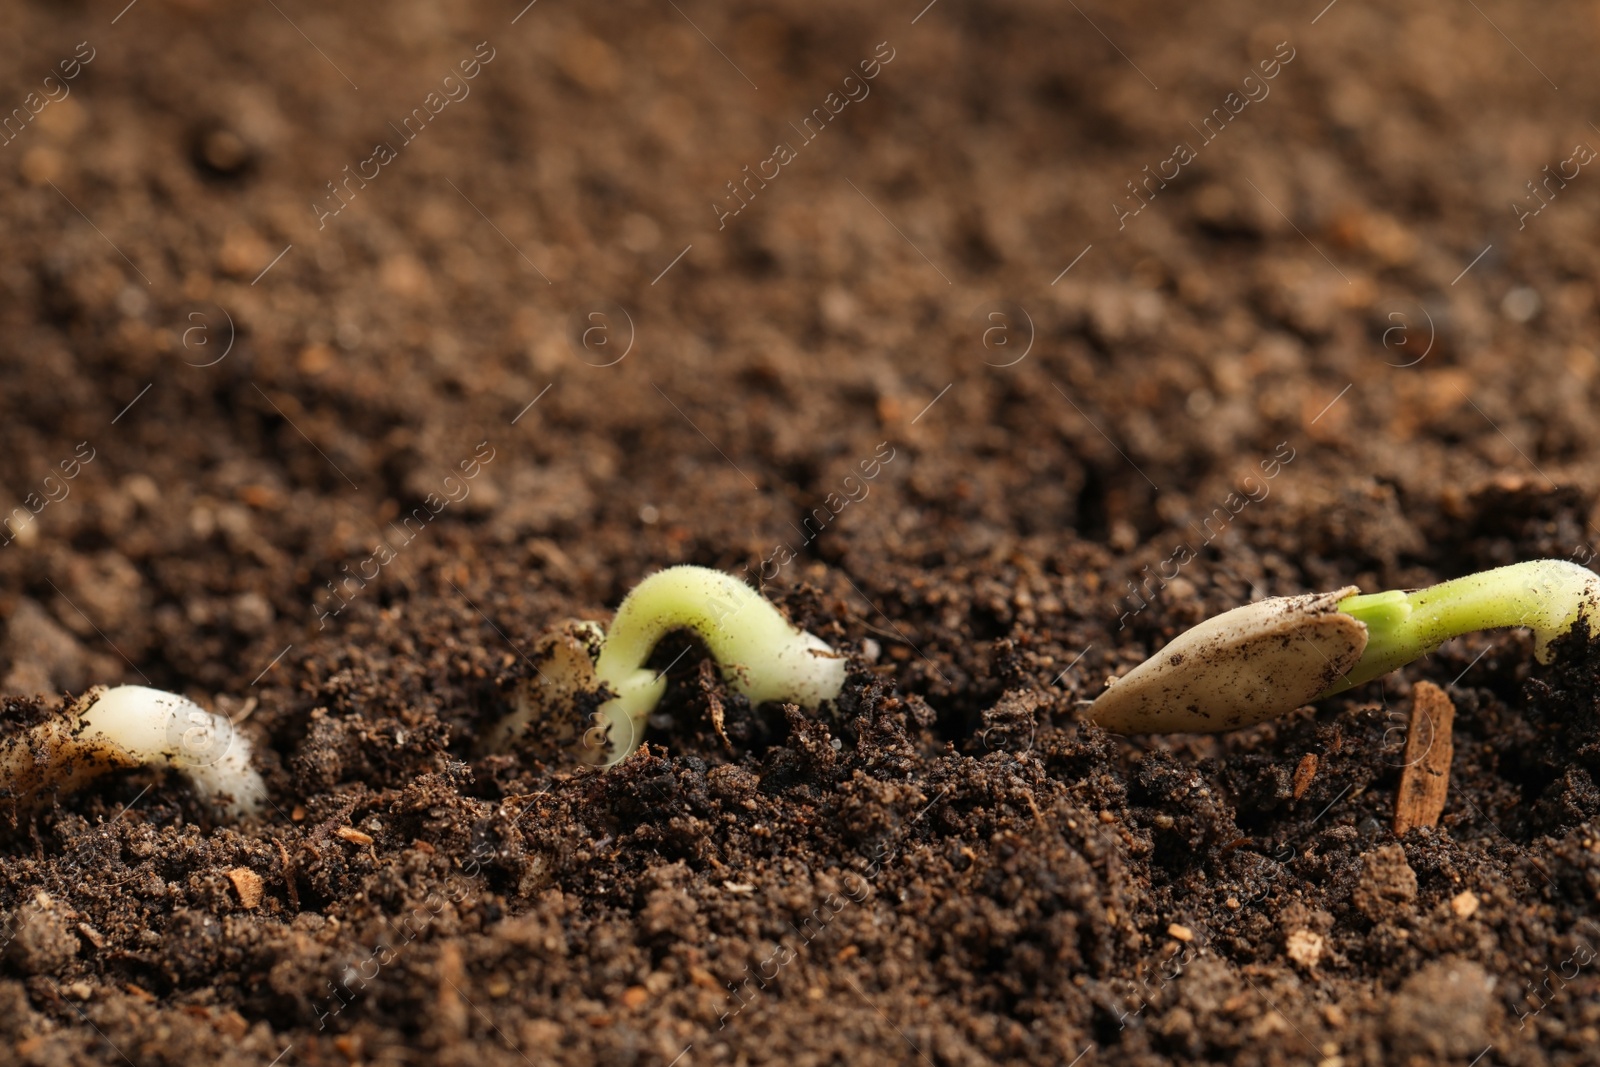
[
  {"x": 1268, "y": 658},
  {"x": 132, "y": 726},
  {"x": 761, "y": 655}
]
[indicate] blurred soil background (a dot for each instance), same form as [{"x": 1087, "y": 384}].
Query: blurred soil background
[{"x": 1134, "y": 312}]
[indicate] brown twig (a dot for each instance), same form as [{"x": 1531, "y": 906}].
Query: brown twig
[{"x": 1429, "y": 749}]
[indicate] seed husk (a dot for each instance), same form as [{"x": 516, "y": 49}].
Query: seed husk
[{"x": 1239, "y": 668}]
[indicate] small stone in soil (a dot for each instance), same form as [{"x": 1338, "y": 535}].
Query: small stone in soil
[
  {"x": 1305, "y": 948},
  {"x": 247, "y": 884},
  {"x": 1464, "y": 904}
]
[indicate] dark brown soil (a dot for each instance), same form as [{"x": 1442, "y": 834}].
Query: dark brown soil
[{"x": 1326, "y": 350}]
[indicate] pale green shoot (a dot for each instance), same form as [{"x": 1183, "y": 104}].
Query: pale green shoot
[
  {"x": 761, "y": 655},
  {"x": 1545, "y": 595}
]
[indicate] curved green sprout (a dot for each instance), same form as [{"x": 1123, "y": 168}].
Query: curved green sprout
[
  {"x": 761, "y": 654},
  {"x": 1266, "y": 659}
]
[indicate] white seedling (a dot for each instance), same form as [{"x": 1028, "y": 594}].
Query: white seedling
[
  {"x": 132, "y": 726},
  {"x": 761, "y": 654},
  {"x": 1266, "y": 659}
]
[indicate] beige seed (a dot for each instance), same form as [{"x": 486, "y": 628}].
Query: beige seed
[{"x": 1239, "y": 668}]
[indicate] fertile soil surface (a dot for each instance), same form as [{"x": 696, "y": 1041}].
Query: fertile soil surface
[{"x": 346, "y": 350}]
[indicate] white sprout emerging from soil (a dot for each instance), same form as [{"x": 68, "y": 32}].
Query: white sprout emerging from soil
[
  {"x": 761, "y": 654},
  {"x": 132, "y": 726},
  {"x": 1268, "y": 658}
]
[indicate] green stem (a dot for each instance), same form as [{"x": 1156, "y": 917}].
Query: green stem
[{"x": 1547, "y": 595}]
